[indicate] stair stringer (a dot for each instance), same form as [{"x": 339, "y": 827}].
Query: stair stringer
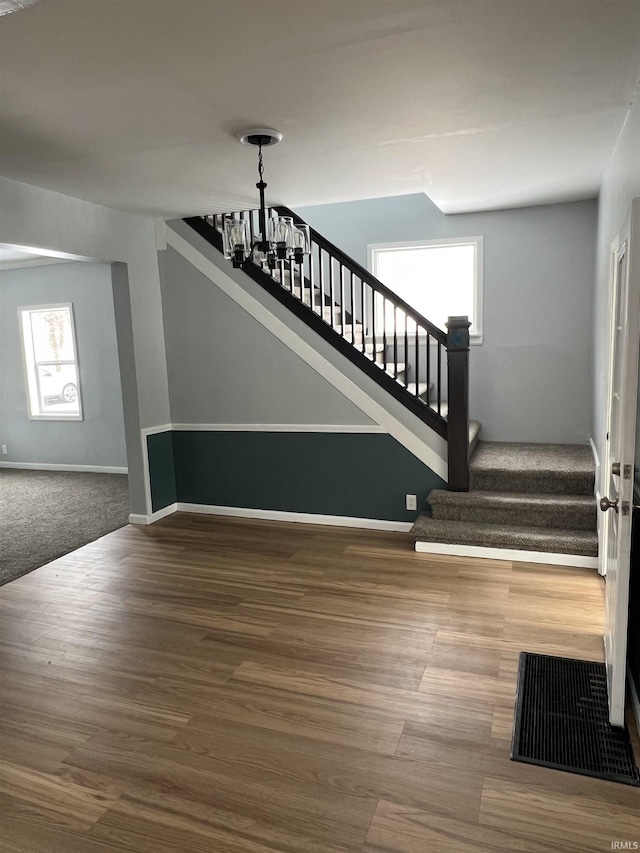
[{"x": 383, "y": 409}]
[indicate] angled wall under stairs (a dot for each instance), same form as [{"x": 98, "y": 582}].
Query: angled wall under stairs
[
  {"x": 533, "y": 499},
  {"x": 260, "y": 425}
]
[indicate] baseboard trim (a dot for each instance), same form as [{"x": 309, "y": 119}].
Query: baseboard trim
[
  {"x": 155, "y": 516},
  {"x": 301, "y": 517},
  {"x": 46, "y": 466},
  {"x": 510, "y": 554},
  {"x": 634, "y": 697},
  {"x": 275, "y": 515}
]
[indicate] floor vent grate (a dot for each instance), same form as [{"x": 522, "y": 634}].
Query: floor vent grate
[{"x": 562, "y": 720}]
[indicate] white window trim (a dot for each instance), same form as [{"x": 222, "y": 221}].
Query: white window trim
[
  {"x": 54, "y": 416},
  {"x": 476, "y": 336}
]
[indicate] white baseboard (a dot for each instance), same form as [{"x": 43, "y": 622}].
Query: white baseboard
[
  {"x": 155, "y": 516},
  {"x": 46, "y": 466},
  {"x": 275, "y": 515},
  {"x": 511, "y": 554},
  {"x": 302, "y": 517}
]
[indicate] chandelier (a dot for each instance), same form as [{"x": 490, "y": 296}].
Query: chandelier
[
  {"x": 279, "y": 239},
  {"x": 8, "y": 6}
]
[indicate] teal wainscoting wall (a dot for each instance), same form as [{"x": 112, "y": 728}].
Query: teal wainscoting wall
[
  {"x": 162, "y": 474},
  {"x": 363, "y": 475}
]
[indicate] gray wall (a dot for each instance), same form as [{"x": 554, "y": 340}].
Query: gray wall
[
  {"x": 620, "y": 185},
  {"x": 531, "y": 377},
  {"x": 99, "y": 438},
  {"x": 225, "y": 367}
]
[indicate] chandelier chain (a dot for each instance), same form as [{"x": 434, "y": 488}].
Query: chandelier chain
[{"x": 260, "y": 164}]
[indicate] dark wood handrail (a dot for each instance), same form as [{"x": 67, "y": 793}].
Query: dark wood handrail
[
  {"x": 453, "y": 425},
  {"x": 366, "y": 276}
]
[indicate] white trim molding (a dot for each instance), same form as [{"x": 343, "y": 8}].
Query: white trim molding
[
  {"x": 145, "y": 466},
  {"x": 511, "y": 554},
  {"x": 334, "y": 428},
  {"x": 46, "y": 466},
  {"x": 274, "y": 515},
  {"x": 154, "y": 516},
  {"x": 360, "y": 398},
  {"x": 301, "y": 517},
  {"x": 155, "y": 429}
]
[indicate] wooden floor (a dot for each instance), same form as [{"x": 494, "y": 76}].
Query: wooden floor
[{"x": 243, "y": 687}]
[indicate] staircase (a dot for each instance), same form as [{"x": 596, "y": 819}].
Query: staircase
[
  {"x": 534, "y": 499},
  {"x": 421, "y": 366},
  {"x": 524, "y": 497}
]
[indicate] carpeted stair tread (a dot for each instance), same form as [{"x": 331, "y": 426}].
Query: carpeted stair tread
[
  {"x": 552, "y": 540},
  {"x": 533, "y": 468},
  {"x": 571, "y": 512}
]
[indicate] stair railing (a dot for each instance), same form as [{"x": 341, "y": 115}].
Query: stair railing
[{"x": 375, "y": 328}]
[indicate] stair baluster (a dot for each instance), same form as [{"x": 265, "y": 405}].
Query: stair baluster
[{"x": 391, "y": 355}]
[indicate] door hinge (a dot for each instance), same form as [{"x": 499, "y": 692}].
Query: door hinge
[
  {"x": 625, "y": 507},
  {"x": 626, "y": 472}
]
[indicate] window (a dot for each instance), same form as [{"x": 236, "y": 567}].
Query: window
[
  {"x": 439, "y": 278},
  {"x": 51, "y": 365}
]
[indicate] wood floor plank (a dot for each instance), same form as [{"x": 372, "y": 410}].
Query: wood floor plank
[
  {"x": 405, "y": 829},
  {"x": 564, "y": 822},
  {"x": 228, "y": 686},
  {"x": 67, "y": 798},
  {"x": 389, "y": 703},
  {"x": 222, "y": 783},
  {"x": 301, "y": 715},
  {"x": 21, "y": 834}
]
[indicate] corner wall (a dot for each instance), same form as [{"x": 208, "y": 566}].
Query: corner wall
[
  {"x": 255, "y": 427},
  {"x": 530, "y": 378},
  {"x": 52, "y": 223}
]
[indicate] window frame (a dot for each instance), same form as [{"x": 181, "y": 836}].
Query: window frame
[
  {"x": 53, "y": 416},
  {"x": 476, "y": 330}
]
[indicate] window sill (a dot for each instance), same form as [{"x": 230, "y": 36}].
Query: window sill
[{"x": 56, "y": 417}]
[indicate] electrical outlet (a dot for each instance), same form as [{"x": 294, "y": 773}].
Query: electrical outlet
[
  {"x": 4, "y": 449},
  {"x": 411, "y": 502}
]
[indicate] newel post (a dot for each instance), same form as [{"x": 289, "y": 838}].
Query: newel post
[{"x": 458, "y": 401}]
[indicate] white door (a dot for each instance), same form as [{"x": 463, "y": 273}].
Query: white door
[{"x": 617, "y": 476}]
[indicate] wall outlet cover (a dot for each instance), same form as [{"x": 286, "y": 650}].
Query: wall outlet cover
[
  {"x": 4, "y": 449},
  {"x": 411, "y": 502}
]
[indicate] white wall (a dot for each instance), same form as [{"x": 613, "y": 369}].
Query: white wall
[
  {"x": 98, "y": 439},
  {"x": 48, "y": 221},
  {"x": 620, "y": 185},
  {"x": 531, "y": 376}
]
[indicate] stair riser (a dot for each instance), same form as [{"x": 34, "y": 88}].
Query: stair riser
[
  {"x": 564, "y": 484},
  {"x": 558, "y": 547},
  {"x": 523, "y": 517}
]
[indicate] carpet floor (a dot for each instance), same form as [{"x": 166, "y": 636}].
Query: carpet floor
[{"x": 45, "y": 514}]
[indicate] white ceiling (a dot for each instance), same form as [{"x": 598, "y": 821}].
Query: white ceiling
[{"x": 479, "y": 103}]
